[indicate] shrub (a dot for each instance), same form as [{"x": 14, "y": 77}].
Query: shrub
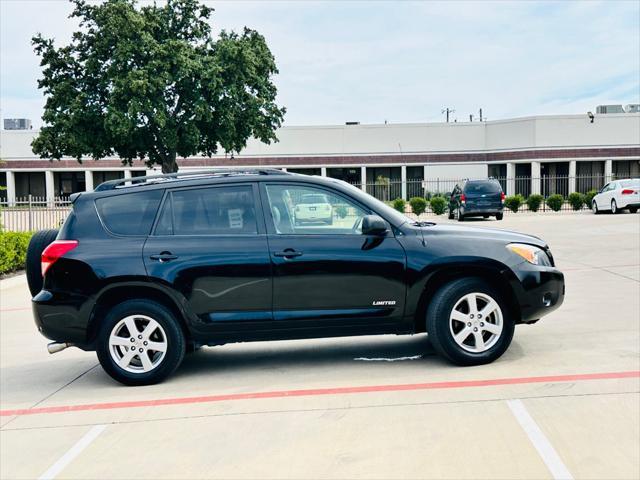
[
  {"x": 588, "y": 197},
  {"x": 438, "y": 205},
  {"x": 576, "y": 200},
  {"x": 534, "y": 201},
  {"x": 554, "y": 202},
  {"x": 418, "y": 205},
  {"x": 13, "y": 250},
  {"x": 513, "y": 202},
  {"x": 399, "y": 204},
  {"x": 341, "y": 211}
]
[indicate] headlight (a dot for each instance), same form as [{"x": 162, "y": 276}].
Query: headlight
[{"x": 531, "y": 254}]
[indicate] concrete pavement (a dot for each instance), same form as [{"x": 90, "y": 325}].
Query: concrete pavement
[{"x": 463, "y": 430}]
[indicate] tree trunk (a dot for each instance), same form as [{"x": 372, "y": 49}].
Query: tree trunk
[{"x": 169, "y": 164}]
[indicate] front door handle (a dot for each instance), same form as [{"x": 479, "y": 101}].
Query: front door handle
[
  {"x": 164, "y": 257},
  {"x": 288, "y": 253}
]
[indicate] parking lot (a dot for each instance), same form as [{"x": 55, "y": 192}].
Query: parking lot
[{"x": 564, "y": 401}]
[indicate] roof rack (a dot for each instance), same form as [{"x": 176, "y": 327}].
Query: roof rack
[{"x": 188, "y": 175}]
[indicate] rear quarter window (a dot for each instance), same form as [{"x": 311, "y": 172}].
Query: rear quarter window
[{"x": 129, "y": 213}]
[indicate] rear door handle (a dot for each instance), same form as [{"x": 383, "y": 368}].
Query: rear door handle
[
  {"x": 164, "y": 257},
  {"x": 288, "y": 253}
]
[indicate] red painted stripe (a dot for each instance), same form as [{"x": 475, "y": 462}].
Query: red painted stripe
[{"x": 321, "y": 391}]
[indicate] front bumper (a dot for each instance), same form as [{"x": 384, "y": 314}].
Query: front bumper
[{"x": 539, "y": 291}]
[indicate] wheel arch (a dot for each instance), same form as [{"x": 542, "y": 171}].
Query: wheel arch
[
  {"x": 491, "y": 274},
  {"x": 122, "y": 292}
]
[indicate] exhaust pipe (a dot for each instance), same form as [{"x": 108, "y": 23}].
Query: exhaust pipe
[{"x": 55, "y": 347}]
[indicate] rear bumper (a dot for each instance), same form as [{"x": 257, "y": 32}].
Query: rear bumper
[
  {"x": 539, "y": 291},
  {"x": 61, "y": 318},
  {"x": 477, "y": 210},
  {"x": 631, "y": 204}
]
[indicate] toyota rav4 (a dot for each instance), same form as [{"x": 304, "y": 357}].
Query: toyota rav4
[{"x": 146, "y": 269}]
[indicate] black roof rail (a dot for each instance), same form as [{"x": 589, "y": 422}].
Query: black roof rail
[{"x": 185, "y": 175}]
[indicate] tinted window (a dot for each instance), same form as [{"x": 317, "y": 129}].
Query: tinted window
[
  {"x": 209, "y": 211},
  {"x": 292, "y": 211},
  {"x": 130, "y": 213},
  {"x": 482, "y": 187}
]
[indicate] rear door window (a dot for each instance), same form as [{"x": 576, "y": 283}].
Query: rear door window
[
  {"x": 482, "y": 187},
  {"x": 129, "y": 213},
  {"x": 225, "y": 210}
]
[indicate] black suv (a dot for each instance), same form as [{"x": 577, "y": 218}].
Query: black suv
[
  {"x": 146, "y": 269},
  {"x": 477, "y": 198}
]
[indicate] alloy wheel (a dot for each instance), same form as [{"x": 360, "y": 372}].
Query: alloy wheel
[
  {"x": 138, "y": 344},
  {"x": 476, "y": 322}
]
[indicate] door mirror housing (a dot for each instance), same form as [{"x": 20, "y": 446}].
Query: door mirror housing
[{"x": 374, "y": 225}]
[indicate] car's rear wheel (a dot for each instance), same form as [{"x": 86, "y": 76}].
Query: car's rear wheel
[
  {"x": 499, "y": 216},
  {"x": 614, "y": 207},
  {"x": 140, "y": 343},
  {"x": 633, "y": 209},
  {"x": 39, "y": 241},
  {"x": 469, "y": 323}
]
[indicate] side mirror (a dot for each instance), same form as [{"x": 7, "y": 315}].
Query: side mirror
[{"x": 373, "y": 225}]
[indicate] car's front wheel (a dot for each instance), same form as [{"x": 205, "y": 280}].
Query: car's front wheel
[
  {"x": 469, "y": 323},
  {"x": 594, "y": 207},
  {"x": 140, "y": 343}
]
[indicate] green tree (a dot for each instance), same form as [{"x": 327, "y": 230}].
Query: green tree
[{"x": 152, "y": 83}]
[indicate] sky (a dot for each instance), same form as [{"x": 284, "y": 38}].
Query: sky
[{"x": 401, "y": 62}]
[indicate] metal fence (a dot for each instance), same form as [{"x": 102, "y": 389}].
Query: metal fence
[
  {"x": 36, "y": 213},
  {"x": 33, "y": 213}
]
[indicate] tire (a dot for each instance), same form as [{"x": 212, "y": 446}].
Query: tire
[
  {"x": 594, "y": 207},
  {"x": 166, "y": 334},
  {"x": 614, "y": 207},
  {"x": 499, "y": 216},
  {"x": 633, "y": 209},
  {"x": 39, "y": 241},
  {"x": 441, "y": 327},
  {"x": 485, "y": 216}
]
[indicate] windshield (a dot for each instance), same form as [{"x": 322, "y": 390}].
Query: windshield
[
  {"x": 314, "y": 198},
  {"x": 385, "y": 210},
  {"x": 482, "y": 187}
]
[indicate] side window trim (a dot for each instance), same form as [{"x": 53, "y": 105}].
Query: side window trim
[{"x": 168, "y": 197}]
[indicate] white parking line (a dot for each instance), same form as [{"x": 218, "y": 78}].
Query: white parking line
[
  {"x": 541, "y": 443},
  {"x": 72, "y": 453}
]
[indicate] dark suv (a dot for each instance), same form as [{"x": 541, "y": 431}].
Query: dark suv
[
  {"x": 146, "y": 269},
  {"x": 477, "y": 198}
]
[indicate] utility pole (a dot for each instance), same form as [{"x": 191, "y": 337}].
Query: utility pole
[
  {"x": 471, "y": 117},
  {"x": 480, "y": 114},
  {"x": 448, "y": 111}
]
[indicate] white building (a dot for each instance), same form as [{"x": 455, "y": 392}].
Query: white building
[{"x": 531, "y": 154}]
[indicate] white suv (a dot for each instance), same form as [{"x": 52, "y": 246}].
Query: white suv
[{"x": 313, "y": 207}]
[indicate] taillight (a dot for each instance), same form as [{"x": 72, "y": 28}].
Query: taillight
[
  {"x": 54, "y": 251},
  {"x": 463, "y": 199},
  {"x": 502, "y": 197},
  {"x": 627, "y": 191}
]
